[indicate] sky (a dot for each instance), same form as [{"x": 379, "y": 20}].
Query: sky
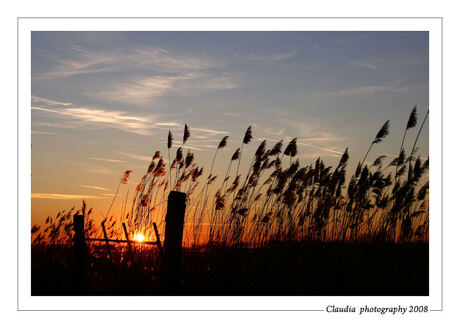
[{"x": 103, "y": 102}]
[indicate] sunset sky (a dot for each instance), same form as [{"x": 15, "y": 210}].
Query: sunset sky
[{"x": 103, "y": 102}]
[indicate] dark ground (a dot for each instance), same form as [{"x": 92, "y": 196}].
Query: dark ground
[{"x": 332, "y": 269}]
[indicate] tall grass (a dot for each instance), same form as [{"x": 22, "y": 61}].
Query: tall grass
[{"x": 277, "y": 199}]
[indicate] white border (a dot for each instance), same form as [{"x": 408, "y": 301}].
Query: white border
[{"x": 26, "y": 25}]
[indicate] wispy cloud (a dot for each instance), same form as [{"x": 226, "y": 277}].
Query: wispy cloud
[
  {"x": 76, "y": 60},
  {"x": 305, "y": 129},
  {"x": 109, "y": 194},
  {"x": 135, "y": 156},
  {"x": 140, "y": 91},
  {"x": 73, "y": 60},
  {"x": 188, "y": 147},
  {"x": 60, "y": 125},
  {"x": 108, "y": 160},
  {"x": 271, "y": 132},
  {"x": 163, "y": 72},
  {"x": 373, "y": 89},
  {"x": 318, "y": 154},
  {"x": 168, "y": 61},
  {"x": 168, "y": 124},
  {"x": 268, "y": 59},
  {"x": 42, "y": 133},
  {"x": 106, "y": 118},
  {"x": 97, "y": 170},
  {"x": 321, "y": 139},
  {"x": 320, "y": 148},
  {"x": 207, "y": 140},
  {"x": 122, "y": 120},
  {"x": 40, "y": 100},
  {"x": 365, "y": 65},
  {"x": 99, "y": 188},
  {"x": 208, "y": 131},
  {"x": 56, "y": 196},
  {"x": 233, "y": 114},
  {"x": 146, "y": 89}
]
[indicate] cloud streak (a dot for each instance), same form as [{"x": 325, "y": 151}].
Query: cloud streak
[
  {"x": 105, "y": 118},
  {"x": 135, "y": 156},
  {"x": 148, "y": 73},
  {"x": 141, "y": 125},
  {"x": 208, "y": 131},
  {"x": 167, "y": 61},
  {"x": 269, "y": 59},
  {"x": 74, "y": 60},
  {"x": 321, "y": 148},
  {"x": 147, "y": 89},
  {"x": 365, "y": 65},
  {"x": 95, "y": 187},
  {"x": 42, "y": 133},
  {"x": 373, "y": 89},
  {"x": 108, "y": 160},
  {"x": 187, "y": 147},
  {"x": 39, "y": 100},
  {"x": 56, "y": 196}
]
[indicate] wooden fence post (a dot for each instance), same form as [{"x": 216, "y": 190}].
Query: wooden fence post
[
  {"x": 158, "y": 242},
  {"x": 173, "y": 239},
  {"x": 129, "y": 254},
  {"x": 107, "y": 245},
  {"x": 80, "y": 252}
]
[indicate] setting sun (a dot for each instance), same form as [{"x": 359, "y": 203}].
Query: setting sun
[{"x": 139, "y": 237}]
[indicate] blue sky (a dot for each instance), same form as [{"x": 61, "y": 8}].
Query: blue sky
[{"x": 103, "y": 102}]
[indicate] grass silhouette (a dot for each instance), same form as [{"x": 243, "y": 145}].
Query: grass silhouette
[{"x": 276, "y": 208}]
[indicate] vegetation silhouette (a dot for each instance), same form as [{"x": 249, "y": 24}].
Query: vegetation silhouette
[{"x": 280, "y": 221}]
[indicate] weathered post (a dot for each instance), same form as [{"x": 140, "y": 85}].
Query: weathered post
[
  {"x": 173, "y": 240},
  {"x": 107, "y": 245},
  {"x": 129, "y": 254},
  {"x": 80, "y": 252},
  {"x": 158, "y": 242}
]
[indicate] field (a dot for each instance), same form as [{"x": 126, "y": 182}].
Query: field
[
  {"x": 280, "y": 269},
  {"x": 273, "y": 228}
]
